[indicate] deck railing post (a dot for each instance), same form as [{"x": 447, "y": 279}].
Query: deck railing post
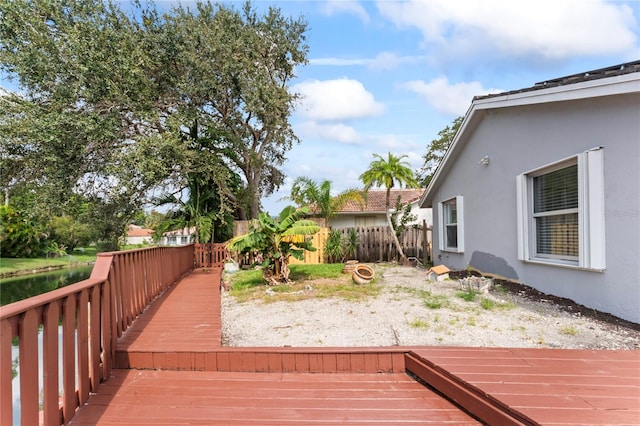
[{"x": 93, "y": 314}]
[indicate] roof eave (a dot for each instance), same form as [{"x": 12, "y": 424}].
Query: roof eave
[{"x": 616, "y": 85}]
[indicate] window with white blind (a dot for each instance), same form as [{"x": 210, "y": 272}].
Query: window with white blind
[
  {"x": 452, "y": 226},
  {"x": 561, "y": 212}
]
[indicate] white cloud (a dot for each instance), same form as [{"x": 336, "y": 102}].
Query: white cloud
[
  {"x": 334, "y": 7},
  {"x": 383, "y": 60},
  {"x": 337, "y": 100},
  {"x": 450, "y": 99},
  {"x": 395, "y": 142},
  {"x": 331, "y": 132},
  {"x": 340, "y": 62},
  {"x": 546, "y": 29},
  {"x": 389, "y": 60}
]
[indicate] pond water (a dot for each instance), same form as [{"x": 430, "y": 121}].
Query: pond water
[{"x": 22, "y": 287}]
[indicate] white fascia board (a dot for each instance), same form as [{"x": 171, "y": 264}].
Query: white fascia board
[
  {"x": 608, "y": 86},
  {"x": 618, "y": 85}
]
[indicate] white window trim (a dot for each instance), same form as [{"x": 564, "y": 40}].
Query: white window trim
[
  {"x": 460, "y": 224},
  {"x": 591, "y": 213}
]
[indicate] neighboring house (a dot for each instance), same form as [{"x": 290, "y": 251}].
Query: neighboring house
[
  {"x": 373, "y": 213},
  {"x": 542, "y": 186},
  {"x": 179, "y": 237},
  {"x": 139, "y": 235}
]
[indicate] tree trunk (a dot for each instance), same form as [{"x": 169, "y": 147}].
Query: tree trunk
[
  {"x": 396, "y": 242},
  {"x": 253, "y": 187}
]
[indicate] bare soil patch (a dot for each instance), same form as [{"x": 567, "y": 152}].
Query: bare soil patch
[{"x": 410, "y": 310}]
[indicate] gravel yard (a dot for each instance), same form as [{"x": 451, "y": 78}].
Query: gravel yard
[{"x": 411, "y": 310}]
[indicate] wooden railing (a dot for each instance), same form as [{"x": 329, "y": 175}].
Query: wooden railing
[
  {"x": 92, "y": 315},
  {"x": 210, "y": 255}
]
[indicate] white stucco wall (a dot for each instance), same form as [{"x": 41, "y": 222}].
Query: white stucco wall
[{"x": 369, "y": 219}]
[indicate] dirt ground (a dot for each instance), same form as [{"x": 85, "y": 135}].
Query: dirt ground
[{"x": 411, "y": 310}]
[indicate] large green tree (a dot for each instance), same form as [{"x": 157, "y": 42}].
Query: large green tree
[
  {"x": 389, "y": 173},
  {"x": 436, "y": 152},
  {"x": 238, "y": 66},
  {"x": 117, "y": 105},
  {"x": 307, "y": 192}
]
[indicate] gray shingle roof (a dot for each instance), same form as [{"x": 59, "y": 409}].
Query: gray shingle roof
[{"x": 626, "y": 68}]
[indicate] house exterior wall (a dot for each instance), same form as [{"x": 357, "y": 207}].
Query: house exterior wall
[
  {"x": 525, "y": 138},
  {"x": 176, "y": 240},
  {"x": 139, "y": 240},
  {"x": 357, "y": 220},
  {"x": 352, "y": 220}
]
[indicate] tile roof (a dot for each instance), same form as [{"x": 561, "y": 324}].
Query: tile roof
[
  {"x": 615, "y": 70},
  {"x": 376, "y": 200},
  {"x": 137, "y": 231}
]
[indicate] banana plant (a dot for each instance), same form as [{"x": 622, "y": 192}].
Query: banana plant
[{"x": 275, "y": 239}]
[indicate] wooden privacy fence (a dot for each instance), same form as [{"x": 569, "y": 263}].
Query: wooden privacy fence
[
  {"x": 90, "y": 315},
  {"x": 314, "y": 257},
  {"x": 375, "y": 244}
]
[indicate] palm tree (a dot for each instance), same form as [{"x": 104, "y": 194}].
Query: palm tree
[
  {"x": 202, "y": 209},
  {"x": 307, "y": 192},
  {"x": 276, "y": 240},
  {"x": 387, "y": 173}
]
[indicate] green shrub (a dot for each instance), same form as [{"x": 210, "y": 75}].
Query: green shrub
[
  {"x": 351, "y": 244},
  {"x": 20, "y": 236},
  {"x": 333, "y": 247}
]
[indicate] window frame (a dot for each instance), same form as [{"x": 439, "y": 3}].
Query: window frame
[
  {"x": 442, "y": 210},
  {"x": 590, "y": 210}
]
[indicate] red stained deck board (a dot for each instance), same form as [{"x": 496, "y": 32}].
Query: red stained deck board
[
  {"x": 182, "y": 331},
  {"x": 186, "y": 318},
  {"x": 551, "y": 386},
  {"x": 170, "y": 397}
]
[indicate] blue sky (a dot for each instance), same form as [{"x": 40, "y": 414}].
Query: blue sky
[{"x": 387, "y": 76}]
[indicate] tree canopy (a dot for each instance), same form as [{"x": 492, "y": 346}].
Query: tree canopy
[
  {"x": 317, "y": 196},
  {"x": 387, "y": 173},
  {"x": 436, "y": 152},
  {"x": 119, "y": 104}
]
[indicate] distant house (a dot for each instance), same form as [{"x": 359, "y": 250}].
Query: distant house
[
  {"x": 139, "y": 235},
  {"x": 179, "y": 237},
  {"x": 374, "y": 212},
  {"x": 541, "y": 186}
]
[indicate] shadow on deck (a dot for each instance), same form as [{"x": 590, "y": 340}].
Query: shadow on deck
[{"x": 172, "y": 369}]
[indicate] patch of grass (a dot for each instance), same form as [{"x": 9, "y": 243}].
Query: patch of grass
[
  {"x": 419, "y": 323},
  {"x": 490, "y": 304},
  {"x": 569, "y": 330},
  {"x": 79, "y": 255},
  {"x": 430, "y": 300},
  {"x": 467, "y": 295},
  {"x": 309, "y": 281},
  {"x": 314, "y": 272},
  {"x": 434, "y": 301},
  {"x": 487, "y": 304},
  {"x": 243, "y": 280}
]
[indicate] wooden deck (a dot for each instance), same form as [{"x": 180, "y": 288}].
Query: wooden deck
[{"x": 172, "y": 369}]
